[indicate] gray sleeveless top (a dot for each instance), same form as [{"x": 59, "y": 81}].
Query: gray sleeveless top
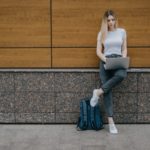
[{"x": 113, "y": 42}]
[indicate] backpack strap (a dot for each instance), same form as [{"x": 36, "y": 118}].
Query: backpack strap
[
  {"x": 82, "y": 123},
  {"x": 96, "y": 121},
  {"x": 92, "y": 118},
  {"x": 84, "y": 106}
]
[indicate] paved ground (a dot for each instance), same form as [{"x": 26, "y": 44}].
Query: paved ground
[{"x": 65, "y": 137}]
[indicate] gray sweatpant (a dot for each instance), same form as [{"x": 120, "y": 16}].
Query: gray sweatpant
[{"x": 109, "y": 79}]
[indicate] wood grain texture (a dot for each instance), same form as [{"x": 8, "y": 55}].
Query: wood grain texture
[
  {"x": 86, "y": 57},
  {"x": 25, "y": 23},
  {"x": 76, "y": 22},
  {"x": 74, "y": 57},
  {"x": 140, "y": 57},
  {"x": 25, "y": 57},
  {"x": 25, "y": 32}
]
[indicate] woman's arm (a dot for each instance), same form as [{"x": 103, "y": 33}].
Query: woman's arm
[
  {"x": 124, "y": 46},
  {"x": 99, "y": 49}
]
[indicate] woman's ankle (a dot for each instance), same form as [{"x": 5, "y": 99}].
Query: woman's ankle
[
  {"x": 110, "y": 120},
  {"x": 99, "y": 91}
]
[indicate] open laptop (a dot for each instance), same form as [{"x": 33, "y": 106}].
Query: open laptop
[{"x": 117, "y": 63}]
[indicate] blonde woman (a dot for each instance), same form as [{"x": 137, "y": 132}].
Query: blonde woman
[{"x": 111, "y": 42}]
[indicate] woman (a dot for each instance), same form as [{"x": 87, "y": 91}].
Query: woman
[{"x": 111, "y": 42}]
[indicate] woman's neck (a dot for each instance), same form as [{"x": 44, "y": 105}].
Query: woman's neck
[{"x": 112, "y": 29}]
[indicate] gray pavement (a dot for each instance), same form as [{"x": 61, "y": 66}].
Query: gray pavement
[{"x": 65, "y": 137}]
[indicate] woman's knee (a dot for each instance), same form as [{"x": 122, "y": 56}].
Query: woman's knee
[{"x": 121, "y": 74}]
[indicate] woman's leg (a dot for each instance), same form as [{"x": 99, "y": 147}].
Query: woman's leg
[
  {"x": 108, "y": 103},
  {"x": 109, "y": 79},
  {"x": 118, "y": 76},
  {"x": 104, "y": 76}
]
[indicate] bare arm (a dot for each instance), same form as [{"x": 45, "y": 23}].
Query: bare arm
[
  {"x": 99, "y": 49},
  {"x": 124, "y": 46}
]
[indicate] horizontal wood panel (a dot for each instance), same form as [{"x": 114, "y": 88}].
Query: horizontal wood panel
[
  {"x": 74, "y": 57},
  {"x": 86, "y": 57},
  {"x": 25, "y": 57},
  {"x": 76, "y": 23},
  {"x": 25, "y": 23},
  {"x": 140, "y": 57}
]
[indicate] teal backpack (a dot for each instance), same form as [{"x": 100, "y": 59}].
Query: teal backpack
[{"x": 90, "y": 117}]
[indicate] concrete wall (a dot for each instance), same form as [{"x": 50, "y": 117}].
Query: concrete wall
[{"x": 47, "y": 96}]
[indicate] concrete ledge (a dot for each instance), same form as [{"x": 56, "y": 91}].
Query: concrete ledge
[
  {"x": 47, "y": 96},
  {"x": 70, "y": 70}
]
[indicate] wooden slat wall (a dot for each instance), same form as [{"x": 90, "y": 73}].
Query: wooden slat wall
[
  {"x": 139, "y": 57},
  {"x": 85, "y": 57},
  {"x": 25, "y": 23},
  {"x": 74, "y": 57},
  {"x": 32, "y": 36},
  {"x": 25, "y": 39},
  {"x": 25, "y": 57},
  {"x": 76, "y": 23}
]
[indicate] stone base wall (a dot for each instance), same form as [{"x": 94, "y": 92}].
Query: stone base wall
[{"x": 53, "y": 97}]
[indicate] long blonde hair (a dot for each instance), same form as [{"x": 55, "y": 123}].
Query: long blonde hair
[{"x": 104, "y": 25}]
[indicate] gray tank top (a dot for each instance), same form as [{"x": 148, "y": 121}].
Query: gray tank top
[{"x": 113, "y": 42}]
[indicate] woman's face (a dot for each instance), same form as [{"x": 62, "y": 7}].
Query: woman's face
[{"x": 111, "y": 22}]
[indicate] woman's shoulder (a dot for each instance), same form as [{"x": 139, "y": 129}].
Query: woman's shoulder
[
  {"x": 121, "y": 29},
  {"x": 99, "y": 33}
]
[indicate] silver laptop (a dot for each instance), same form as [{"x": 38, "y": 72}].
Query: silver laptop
[{"x": 117, "y": 63}]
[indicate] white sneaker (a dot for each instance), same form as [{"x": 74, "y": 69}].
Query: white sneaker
[
  {"x": 112, "y": 128},
  {"x": 94, "y": 99}
]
